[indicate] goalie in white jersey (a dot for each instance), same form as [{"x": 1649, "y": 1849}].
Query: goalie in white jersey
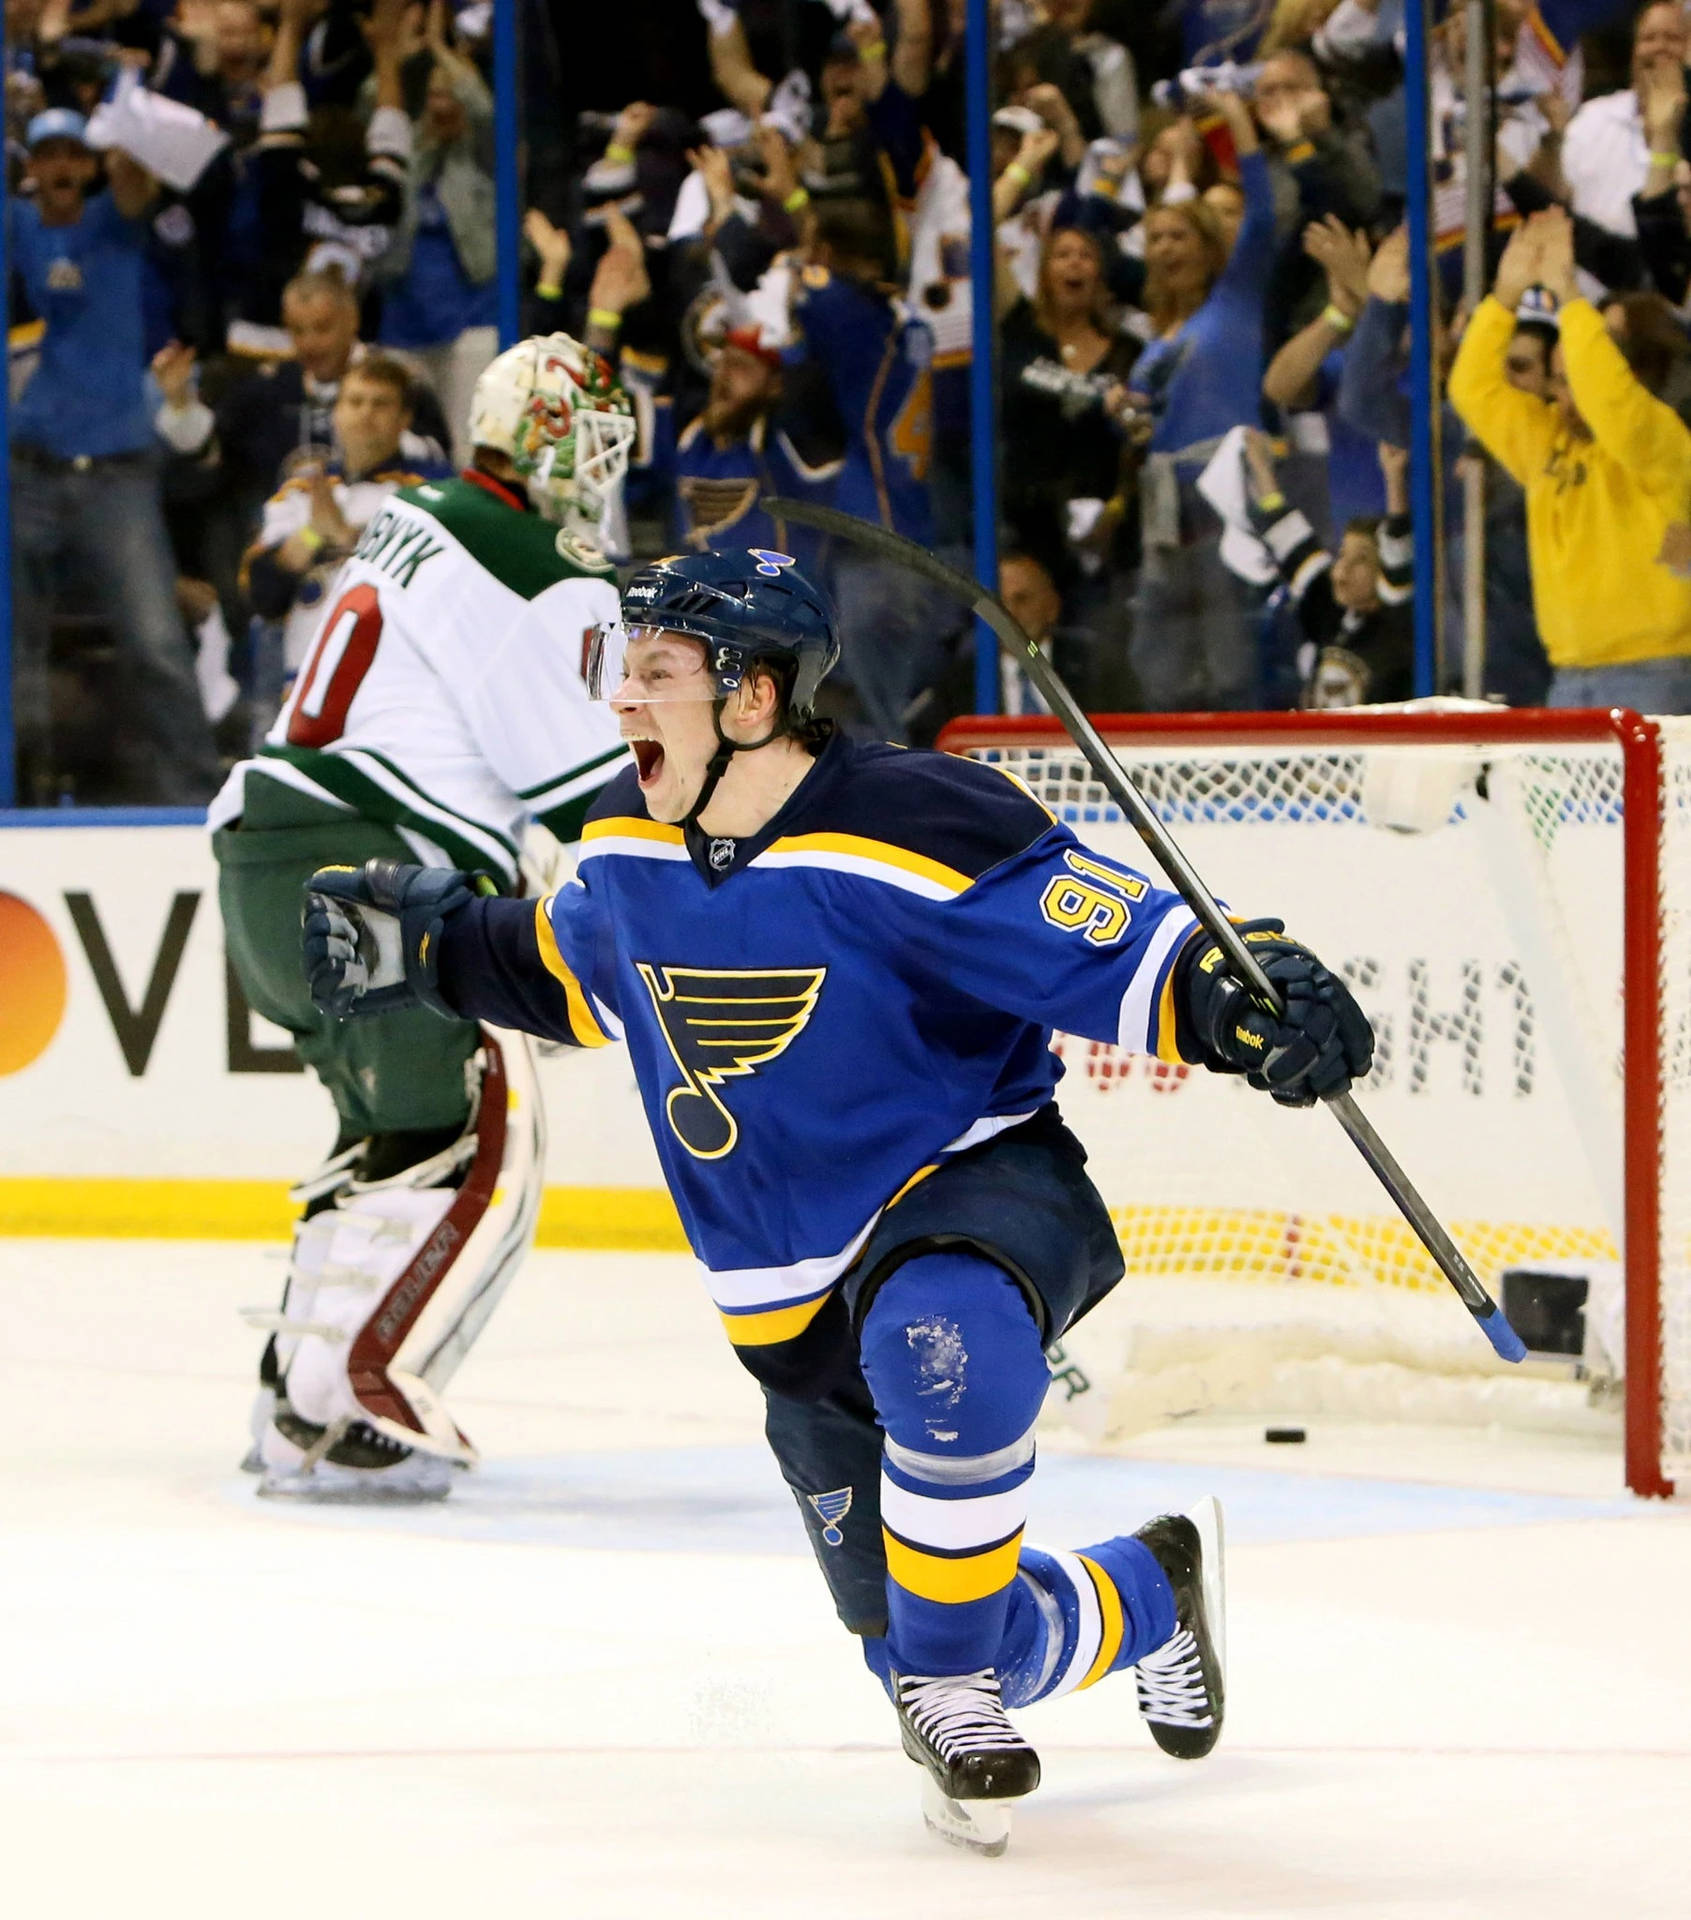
[{"x": 439, "y": 717}]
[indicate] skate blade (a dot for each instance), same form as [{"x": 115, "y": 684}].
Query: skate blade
[
  {"x": 252, "y": 1461},
  {"x": 977, "y": 1826},
  {"x": 373, "y": 1489},
  {"x": 1206, "y": 1517}
]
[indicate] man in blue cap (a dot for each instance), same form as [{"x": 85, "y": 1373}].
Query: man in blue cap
[{"x": 85, "y": 499}]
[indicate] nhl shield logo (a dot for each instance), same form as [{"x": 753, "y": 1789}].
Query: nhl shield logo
[{"x": 831, "y": 1509}]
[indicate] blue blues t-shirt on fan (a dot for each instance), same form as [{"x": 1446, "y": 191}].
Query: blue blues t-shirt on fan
[
  {"x": 879, "y": 362},
  {"x": 85, "y": 399},
  {"x": 434, "y": 301},
  {"x": 1206, "y": 377}
]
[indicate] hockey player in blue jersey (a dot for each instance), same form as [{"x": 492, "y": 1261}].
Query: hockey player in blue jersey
[{"x": 837, "y": 969}]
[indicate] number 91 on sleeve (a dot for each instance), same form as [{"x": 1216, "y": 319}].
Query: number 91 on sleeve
[{"x": 1091, "y": 899}]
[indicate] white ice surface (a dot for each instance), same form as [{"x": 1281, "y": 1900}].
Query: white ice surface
[{"x": 604, "y": 1678}]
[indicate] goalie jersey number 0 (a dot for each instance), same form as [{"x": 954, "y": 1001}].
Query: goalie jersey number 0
[{"x": 340, "y": 657}]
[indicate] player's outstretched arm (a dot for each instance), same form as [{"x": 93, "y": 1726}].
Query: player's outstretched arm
[
  {"x": 1311, "y": 1051},
  {"x": 387, "y": 935}
]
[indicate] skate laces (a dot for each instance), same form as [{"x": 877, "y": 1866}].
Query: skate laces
[
  {"x": 1172, "y": 1690},
  {"x": 958, "y": 1713}
]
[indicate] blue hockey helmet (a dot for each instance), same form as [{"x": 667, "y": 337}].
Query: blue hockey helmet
[{"x": 744, "y": 605}]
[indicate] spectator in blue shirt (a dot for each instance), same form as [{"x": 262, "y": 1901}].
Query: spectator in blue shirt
[
  {"x": 85, "y": 492},
  {"x": 734, "y": 453},
  {"x": 878, "y": 360},
  {"x": 1195, "y": 624}
]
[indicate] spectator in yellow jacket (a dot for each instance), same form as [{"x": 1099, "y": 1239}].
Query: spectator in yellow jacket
[{"x": 1606, "y": 467}]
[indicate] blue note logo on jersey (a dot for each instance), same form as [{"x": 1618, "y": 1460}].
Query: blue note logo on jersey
[
  {"x": 723, "y": 1024},
  {"x": 771, "y": 563},
  {"x": 831, "y": 1509}
]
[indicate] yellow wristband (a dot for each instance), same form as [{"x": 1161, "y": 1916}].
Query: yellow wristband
[
  {"x": 1337, "y": 319},
  {"x": 606, "y": 317},
  {"x": 620, "y": 154},
  {"x": 1272, "y": 502},
  {"x": 547, "y": 289},
  {"x": 1017, "y": 172},
  {"x": 876, "y": 50},
  {"x": 310, "y": 539},
  {"x": 797, "y": 200},
  {"x": 1664, "y": 159}
]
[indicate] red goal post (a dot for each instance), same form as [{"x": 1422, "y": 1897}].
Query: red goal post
[{"x": 1534, "y": 860}]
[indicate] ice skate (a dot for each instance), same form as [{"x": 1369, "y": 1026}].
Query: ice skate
[
  {"x": 978, "y": 1765},
  {"x": 1182, "y": 1687},
  {"x": 350, "y": 1464}
]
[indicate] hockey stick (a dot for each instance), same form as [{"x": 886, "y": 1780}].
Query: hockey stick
[{"x": 1017, "y": 644}]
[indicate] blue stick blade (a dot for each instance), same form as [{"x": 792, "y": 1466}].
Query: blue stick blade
[{"x": 1501, "y": 1335}]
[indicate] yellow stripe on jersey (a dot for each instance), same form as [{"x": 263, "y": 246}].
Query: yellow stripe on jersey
[
  {"x": 632, "y": 829},
  {"x": 1109, "y": 1610},
  {"x": 880, "y": 852},
  {"x": 1167, "y": 1027},
  {"x": 915, "y": 1180},
  {"x": 583, "y": 1025},
  {"x": 1016, "y": 780},
  {"x": 952, "y": 1578},
  {"x": 774, "y": 1324}
]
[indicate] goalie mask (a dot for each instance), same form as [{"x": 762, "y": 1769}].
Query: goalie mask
[{"x": 555, "y": 409}]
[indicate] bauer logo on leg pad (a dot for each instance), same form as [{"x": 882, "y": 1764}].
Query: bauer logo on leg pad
[{"x": 831, "y": 1509}]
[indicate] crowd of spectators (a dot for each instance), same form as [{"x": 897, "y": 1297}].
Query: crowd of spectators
[{"x": 759, "y": 210}]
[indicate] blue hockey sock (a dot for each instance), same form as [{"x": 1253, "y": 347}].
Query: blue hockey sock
[
  {"x": 1075, "y": 1617},
  {"x": 952, "y": 1357}
]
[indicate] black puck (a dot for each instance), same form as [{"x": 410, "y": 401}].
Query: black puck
[{"x": 1284, "y": 1436}]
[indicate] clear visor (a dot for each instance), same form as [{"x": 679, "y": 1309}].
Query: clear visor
[{"x": 640, "y": 664}]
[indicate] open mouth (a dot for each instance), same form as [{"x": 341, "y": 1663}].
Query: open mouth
[{"x": 648, "y": 760}]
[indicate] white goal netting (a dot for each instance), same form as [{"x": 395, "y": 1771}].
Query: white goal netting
[{"x": 1475, "y": 893}]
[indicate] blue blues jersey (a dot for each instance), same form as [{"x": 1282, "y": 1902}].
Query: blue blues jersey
[
  {"x": 821, "y": 1014},
  {"x": 719, "y": 491},
  {"x": 879, "y": 362}
]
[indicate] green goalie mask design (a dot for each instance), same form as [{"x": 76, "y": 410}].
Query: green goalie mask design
[{"x": 555, "y": 409}]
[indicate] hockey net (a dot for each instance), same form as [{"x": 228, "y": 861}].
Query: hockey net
[{"x": 1509, "y": 894}]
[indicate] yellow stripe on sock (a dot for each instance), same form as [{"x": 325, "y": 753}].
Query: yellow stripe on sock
[
  {"x": 934, "y": 1576},
  {"x": 1109, "y": 1611}
]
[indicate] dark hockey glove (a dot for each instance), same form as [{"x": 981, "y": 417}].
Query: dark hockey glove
[
  {"x": 372, "y": 934},
  {"x": 1312, "y": 1051}
]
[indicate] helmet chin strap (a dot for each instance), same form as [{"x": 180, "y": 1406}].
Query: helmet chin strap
[{"x": 725, "y": 751}]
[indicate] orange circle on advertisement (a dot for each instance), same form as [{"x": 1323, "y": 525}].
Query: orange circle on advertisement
[{"x": 32, "y": 984}]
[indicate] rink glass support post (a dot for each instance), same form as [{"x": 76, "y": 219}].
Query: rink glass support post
[
  {"x": 8, "y": 737},
  {"x": 983, "y": 364},
  {"x": 1477, "y": 136},
  {"x": 1425, "y": 449},
  {"x": 507, "y": 173}
]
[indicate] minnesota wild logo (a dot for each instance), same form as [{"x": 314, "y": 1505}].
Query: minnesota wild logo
[{"x": 723, "y": 1025}]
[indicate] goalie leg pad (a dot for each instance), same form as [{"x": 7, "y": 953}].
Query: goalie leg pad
[{"x": 391, "y": 1286}]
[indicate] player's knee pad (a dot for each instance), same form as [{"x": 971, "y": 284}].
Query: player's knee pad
[
  {"x": 952, "y": 1355},
  {"x": 390, "y": 1286}
]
